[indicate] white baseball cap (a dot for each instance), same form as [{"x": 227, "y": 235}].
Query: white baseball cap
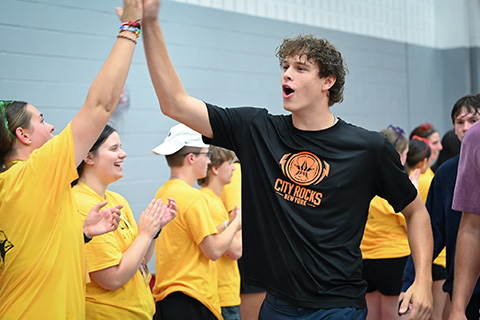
[{"x": 179, "y": 136}]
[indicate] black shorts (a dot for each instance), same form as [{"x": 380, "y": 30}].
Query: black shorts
[
  {"x": 384, "y": 275},
  {"x": 179, "y": 306},
  {"x": 438, "y": 272}
]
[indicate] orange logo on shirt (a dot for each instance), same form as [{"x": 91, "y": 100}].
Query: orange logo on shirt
[{"x": 302, "y": 169}]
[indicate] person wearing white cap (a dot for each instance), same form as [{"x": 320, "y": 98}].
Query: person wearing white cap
[
  {"x": 307, "y": 181},
  {"x": 186, "y": 276}
]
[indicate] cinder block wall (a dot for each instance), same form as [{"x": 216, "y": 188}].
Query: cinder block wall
[{"x": 51, "y": 50}]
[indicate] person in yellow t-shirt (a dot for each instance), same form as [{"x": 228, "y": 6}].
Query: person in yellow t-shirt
[
  {"x": 42, "y": 269},
  {"x": 219, "y": 174},
  {"x": 251, "y": 296},
  {"x": 117, "y": 261},
  {"x": 385, "y": 247},
  {"x": 186, "y": 275}
]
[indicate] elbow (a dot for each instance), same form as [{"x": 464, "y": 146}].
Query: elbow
[
  {"x": 110, "y": 285},
  {"x": 234, "y": 255},
  {"x": 214, "y": 256}
]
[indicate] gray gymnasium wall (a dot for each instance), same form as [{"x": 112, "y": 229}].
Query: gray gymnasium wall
[{"x": 51, "y": 50}]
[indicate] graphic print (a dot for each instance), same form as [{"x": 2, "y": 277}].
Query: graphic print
[
  {"x": 5, "y": 246},
  {"x": 302, "y": 169}
]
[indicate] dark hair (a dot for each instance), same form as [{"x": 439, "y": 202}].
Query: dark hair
[
  {"x": 107, "y": 131},
  {"x": 17, "y": 116},
  {"x": 218, "y": 156},
  {"x": 321, "y": 52},
  {"x": 397, "y": 137},
  {"x": 176, "y": 159},
  {"x": 418, "y": 150},
  {"x": 471, "y": 103},
  {"x": 424, "y": 130}
]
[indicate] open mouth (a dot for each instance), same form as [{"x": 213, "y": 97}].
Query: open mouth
[
  {"x": 118, "y": 164},
  {"x": 287, "y": 90}
]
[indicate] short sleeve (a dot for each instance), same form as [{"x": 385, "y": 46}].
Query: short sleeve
[
  {"x": 392, "y": 182},
  {"x": 467, "y": 188},
  {"x": 199, "y": 222}
]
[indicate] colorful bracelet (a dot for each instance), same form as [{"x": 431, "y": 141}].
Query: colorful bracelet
[
  {"x": 130, "y": 28},
  {"x": 132, "y": 23},
  {"x": 128, "y": 38}
]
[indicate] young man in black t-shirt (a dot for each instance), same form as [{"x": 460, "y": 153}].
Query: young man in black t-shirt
[{"x": 308, "y": 179}]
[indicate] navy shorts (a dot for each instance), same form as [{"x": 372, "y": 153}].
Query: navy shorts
[{"x": 277, "y": 309}]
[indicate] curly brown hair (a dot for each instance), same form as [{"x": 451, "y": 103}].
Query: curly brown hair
[{"x": 321, "y": 52}]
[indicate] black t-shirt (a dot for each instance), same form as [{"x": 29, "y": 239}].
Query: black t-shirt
[{"x": 305, "y": 199}]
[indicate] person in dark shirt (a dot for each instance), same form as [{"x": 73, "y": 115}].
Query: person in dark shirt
[{"x": 308, "y": 179}]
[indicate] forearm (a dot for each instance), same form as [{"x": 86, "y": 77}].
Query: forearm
[
  {"x": 166, "y": 82},
  {"x": 108, "y": 84},
  {"x": 114, "y": 277},
  {"x": 174, "y": 100},
  {"x": 214, "y": 246},
  {"x": 420, "y": 239},
  {"x": 234, "y": 251},
  {"x": 467, "y": 267},
  {"x": 150, "y": 250}
]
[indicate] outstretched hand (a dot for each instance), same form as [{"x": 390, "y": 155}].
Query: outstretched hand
[
  {"x": 99, "y": 222},
  {"x": 150, "y": 9}
]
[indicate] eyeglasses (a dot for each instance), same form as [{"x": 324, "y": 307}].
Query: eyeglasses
[
  {"x": 399, "y": 132},
  {"x": 207, "y": 154}
]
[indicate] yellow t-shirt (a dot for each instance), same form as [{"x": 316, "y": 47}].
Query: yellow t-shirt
[
  {"x": 180, "y": 264},
  {"x": 385, "y": 234},
  {"x": 42, "y": 265},
  {"x": 424, "y": 182},
  {"x": 232, "y": 192},
  {"x": 134, "y": 299},
  {"x": 227, "y": 269}
]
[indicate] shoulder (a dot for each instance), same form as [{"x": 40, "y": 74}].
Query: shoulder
[
  {"x": 355, "y": 134},
  {"x": 448, "y": 166}
]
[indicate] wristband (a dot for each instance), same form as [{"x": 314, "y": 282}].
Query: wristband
[
  {"x": 158, "y": 233},
  {"x": 225, "y": 224},
  {"x": 86, "y": 239}
]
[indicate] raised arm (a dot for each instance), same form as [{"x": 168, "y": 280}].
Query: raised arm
[
  {"x": 421, "y": 245},
  {"x": 105, "y": 90},
  {"x": 174, "y": 101}
]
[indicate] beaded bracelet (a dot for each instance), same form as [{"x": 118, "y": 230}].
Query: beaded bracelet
[
  {"x": 132, "y": 26},
  {"x": 128, "y": 38}
]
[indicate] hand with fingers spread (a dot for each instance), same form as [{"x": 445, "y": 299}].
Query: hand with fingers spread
[
  {"x": 99, "y": 222},
  {"x": 169, "y": 212}
]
